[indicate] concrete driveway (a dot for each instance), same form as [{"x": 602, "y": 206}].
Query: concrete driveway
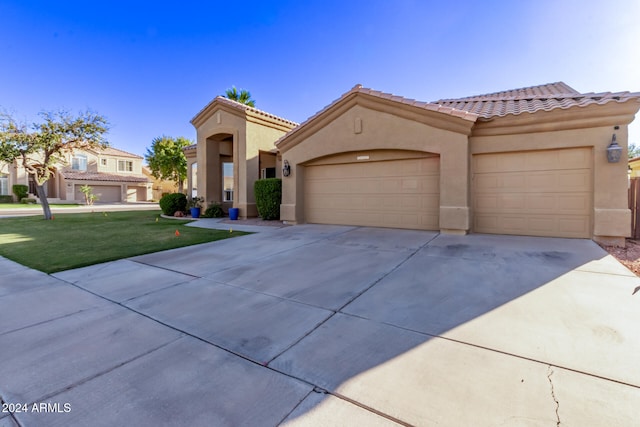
[{"x": 327, "y": 325}]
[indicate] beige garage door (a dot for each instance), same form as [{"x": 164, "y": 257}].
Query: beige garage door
[
  {"x": 536, "y": 193},
  {"x": 105, "y": 193},
  {"x": 394, "y": 193}
]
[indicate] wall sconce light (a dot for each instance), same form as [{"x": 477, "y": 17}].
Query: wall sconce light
[
  {"x": 614, "y": 151},
  {"x": 286, "y": 169}
]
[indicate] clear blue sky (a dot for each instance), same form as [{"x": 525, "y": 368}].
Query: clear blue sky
[{"x": 149, "y": 67}]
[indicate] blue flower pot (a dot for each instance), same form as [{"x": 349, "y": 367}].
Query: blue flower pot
[
  {"x": 233, "y": 213},
  {"x": 195, "y": 212}
]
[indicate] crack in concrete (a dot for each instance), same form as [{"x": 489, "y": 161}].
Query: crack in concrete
[{"x": 553, "y": 394}]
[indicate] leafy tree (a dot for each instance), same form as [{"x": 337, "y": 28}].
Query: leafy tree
[
  {"x": 166, "y": 159},
  {"x": 45, "y": 144},
  {"x": 634, "y": 151},
  {"x": 243, "y": 97}
]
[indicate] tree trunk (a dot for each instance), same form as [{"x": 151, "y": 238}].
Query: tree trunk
[
  {"x": 42, "y": 195},
  {"x": 180, "y": 186}
]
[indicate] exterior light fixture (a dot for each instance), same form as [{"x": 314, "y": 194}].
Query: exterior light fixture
[
  {"x": 614, "y": 151},
  {"x": 286, "y": 169}
]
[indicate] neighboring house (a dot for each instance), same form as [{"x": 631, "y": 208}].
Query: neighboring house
[
  {"x": 634, "y": 167},
  {"x": 529, "y": 161},
  {"x": 114, "y": 176},
  {"x": 159, "y": 186}
]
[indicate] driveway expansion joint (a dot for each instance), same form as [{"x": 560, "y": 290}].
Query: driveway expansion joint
[{"x": 553, "y": 394}]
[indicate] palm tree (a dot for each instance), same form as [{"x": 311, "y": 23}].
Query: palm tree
[{"x": 243, "y": 97}]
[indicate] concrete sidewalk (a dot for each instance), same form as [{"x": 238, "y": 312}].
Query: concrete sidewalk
[
  {"x": 97, "y": 207},
  {"x": 327, "y": 325}
]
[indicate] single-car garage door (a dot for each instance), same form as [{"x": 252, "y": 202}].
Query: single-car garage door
[
  {"x": 393, "y": 193},
  {"x": 105, "y": 193},
  {"x": 535, "y": 193}
]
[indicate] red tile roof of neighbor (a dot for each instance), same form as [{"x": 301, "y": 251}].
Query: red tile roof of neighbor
[
  {"x": 110, "y": 151},
  {"x": 95, "y": 176},
  {"x": 545, "y": 97}
]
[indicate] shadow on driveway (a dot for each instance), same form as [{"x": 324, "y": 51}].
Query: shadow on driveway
[{"x": 321, "y": 325}]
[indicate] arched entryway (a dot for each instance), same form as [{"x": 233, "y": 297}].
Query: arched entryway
[{"x": 221, "y": 176}]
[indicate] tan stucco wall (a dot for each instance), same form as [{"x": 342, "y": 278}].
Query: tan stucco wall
[
  {"x": 611, "y": 216},
  {"x": 359, "y": 130},
  {"x": 250, "y": 136}
]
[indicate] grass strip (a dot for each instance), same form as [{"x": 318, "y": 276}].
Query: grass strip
[{"x": 81, "y": 239}]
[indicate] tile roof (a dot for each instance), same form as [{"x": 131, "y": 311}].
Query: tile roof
[
  {"x": 545, "y": 97},
  {"x": 96, "y": 176},
  {"x": 243, "y": 107},
  {"x": 359, "y": 89},
  {"x": 110, "y": 151},
  {"x": 190, "y": 147}
]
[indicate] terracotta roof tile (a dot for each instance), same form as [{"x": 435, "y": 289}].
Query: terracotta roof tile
[
  {"x": 95, "y": 176},
  {"x": 545, "y": 97},
  {"x": 466, "y": 115},
  {"x": 242, "y": 107},
  {"x": 110, "y": 151}
]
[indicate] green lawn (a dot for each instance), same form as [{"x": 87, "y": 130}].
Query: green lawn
[{"x": 77, "y": 240}]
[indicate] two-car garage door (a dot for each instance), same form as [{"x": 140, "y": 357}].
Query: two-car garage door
[
  {"x": 105, "y": 193},
  {"x": 535, "y": 193},
  {"x": 401, "y": 193}
]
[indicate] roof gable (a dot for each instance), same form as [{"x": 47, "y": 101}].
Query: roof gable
[
  {"x": 228, "y": 104},
  {"x": 445, "y": 113}
]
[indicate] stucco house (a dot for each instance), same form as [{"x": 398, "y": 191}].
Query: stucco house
[
  {"x": 235, "y": 147},
  {"x": 530, "y": 161},
  {"x": 114, "y": 176}
]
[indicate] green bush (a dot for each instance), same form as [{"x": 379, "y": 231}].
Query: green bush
[
  {"x": 6, "y": 199},
  {"x": 213, "y": 211},
  {"x": 172, "y": 203},
  {"x": 28, "y": 201},
  {"x": 268, "y": 194},
  {"x": 20, "y": 190}
]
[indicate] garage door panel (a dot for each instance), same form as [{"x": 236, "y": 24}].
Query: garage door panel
[
  {"x": 397, "y": 193},
  {"x": 105, "y": 193},
  {"x": 545, "y": 160},
  {"x": 551, "y": 202}
]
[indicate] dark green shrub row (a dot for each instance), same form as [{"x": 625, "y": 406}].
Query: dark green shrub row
[
  {"x": 172, "y": 203},
  {"x": 20, "y": 190},
  {"x": 6, "y": 199},
  {"x": 213, "y": 211},
  {"x": 268, "y": 194},
  {"x": 28, "y": 201}
]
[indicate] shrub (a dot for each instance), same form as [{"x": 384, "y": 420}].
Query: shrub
[
  {"x": 171, "y": 203},
  {"x": 28, "y": 201},
  {"x": 213, "y": 211},
  {"x": 268, "y": 194},
  {"x": 21, "y": 191},
  {"x": 6, "y": 199}
]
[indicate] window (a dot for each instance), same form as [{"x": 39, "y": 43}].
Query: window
[
  {"x": 268, "y": 173},
  {"x": 4, "y": 184},
  {"x": 79, "y": 162},
  {"x": 103, "y": 162},
  {"x": 194, "y": 180},
  {"x": 227, "y": 182},
  {"x": 125, "y": 166}
]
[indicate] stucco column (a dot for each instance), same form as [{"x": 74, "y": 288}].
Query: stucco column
[
  {"x": 454, "y": 187},
  {"x": 611, "y": 215}
]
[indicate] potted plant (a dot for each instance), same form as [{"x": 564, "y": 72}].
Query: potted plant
[{"x": 194, "y": 205}]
